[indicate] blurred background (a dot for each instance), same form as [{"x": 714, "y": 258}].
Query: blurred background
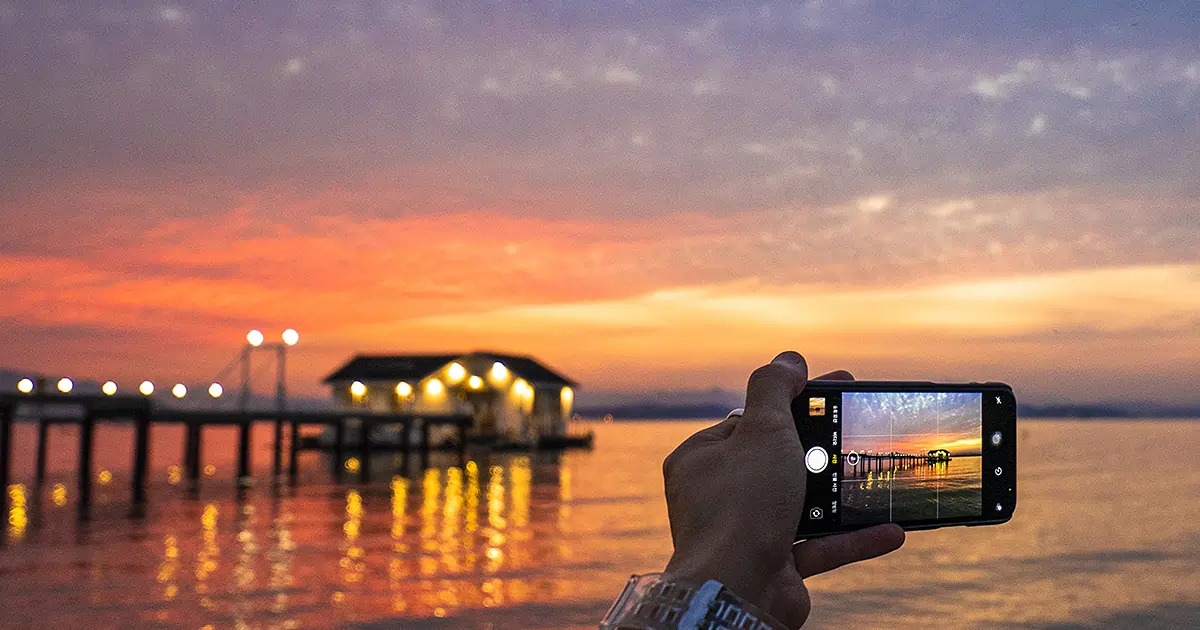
[{"x": 651, "y": 198}]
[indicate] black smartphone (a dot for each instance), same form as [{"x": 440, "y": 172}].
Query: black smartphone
[{"x": 921, "y": 455}]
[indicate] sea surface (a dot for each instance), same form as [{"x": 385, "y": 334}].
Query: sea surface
[
  {"x": 911, "y": 491},
  {"x": 1106, "y": 535}
]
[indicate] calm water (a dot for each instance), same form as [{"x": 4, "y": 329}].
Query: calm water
[
  {"x": 912, "y": 491},
  {"x": 1106, "y": 534}
]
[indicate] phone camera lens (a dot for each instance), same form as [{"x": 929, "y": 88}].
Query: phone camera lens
[
  {"x": 999, "y": 508},
  {"x": 997, "y": 438}
]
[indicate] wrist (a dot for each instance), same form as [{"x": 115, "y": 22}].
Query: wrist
[{"x": 733, "y": 573}]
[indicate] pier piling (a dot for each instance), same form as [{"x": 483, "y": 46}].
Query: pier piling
[
  {"x": 141, "y": 460},
  {"x": 339, "y": 449},
  {"x": 294, "y": 452},
  {"x": 243, "y": 458},
  {"x": 42, "y": 440},
  {"x": 6, "y": 418},
  {"x": 364, "y": 452},
  {"x": 87, "y": 430}
]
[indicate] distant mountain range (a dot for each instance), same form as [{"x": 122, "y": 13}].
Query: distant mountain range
[{"x": 648, "y": 405}]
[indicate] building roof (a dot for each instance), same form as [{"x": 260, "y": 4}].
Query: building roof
[{"x": 414, "y": 367}]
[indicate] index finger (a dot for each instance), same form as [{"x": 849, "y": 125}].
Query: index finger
[{"x": 826, "y": 554}]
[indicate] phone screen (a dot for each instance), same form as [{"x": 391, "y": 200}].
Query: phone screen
[
  {"x": 921, "y": 455},
  {"x": 911, "y": 456}
]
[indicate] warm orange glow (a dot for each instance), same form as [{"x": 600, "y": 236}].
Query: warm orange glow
[
  {"x": 434, "y": 387},
  {"x": 25, "y": 385},
  {"x": 455, "y": 372},
  {"x": 290, "y": 337},
  {"x": 65, "y": 385},
  {"x": 146, "y": 388},
  {"x": 109, "y": 388},
  {"x": 357, "y": 389},
  {"x": 255, "y": 338},
  {"x": 179, "y": 391},
  {"x": 403, "y": 390},
  {"x": 215, "y": 390},
  {"x": 474, "y": 382},
  {"x": 498, "y": 372}
]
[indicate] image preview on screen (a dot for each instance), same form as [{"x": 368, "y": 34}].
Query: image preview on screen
[{"x": 911, "y": 456}]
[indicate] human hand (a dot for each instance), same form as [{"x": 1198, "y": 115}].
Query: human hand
[{"x": 735, "y": 494}]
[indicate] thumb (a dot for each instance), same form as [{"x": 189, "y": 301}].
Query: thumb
[{"x": 771, "y": 389}]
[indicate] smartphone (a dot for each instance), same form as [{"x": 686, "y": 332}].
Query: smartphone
[{"x": 921, "y": 455}]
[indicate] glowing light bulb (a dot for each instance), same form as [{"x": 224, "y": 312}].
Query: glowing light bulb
[
  {"x": 358, "y": 389},
  {"x": 403, "y": 390},
  {"x": 474, "y": 382},
  {"x": 179, "y": 391},
  {"x": 146, "y": 388},
  {"x": 499, "y": 372},
  {"x": 65, "y": 385},
  {"x": 290, "y": 337},
  {"x": 455, "y": 372},
  {"x": 254, "y": 338},
  {"x": 109, "y": 388},
  {"x": 434, "y": 387},
  {"x": 25, "y": 385},
  {"x": 567, "y": 395},
  {"x": 215, "y": 390}
]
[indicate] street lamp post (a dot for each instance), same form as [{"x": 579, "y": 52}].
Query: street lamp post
[{"x": 255, "y": 339}]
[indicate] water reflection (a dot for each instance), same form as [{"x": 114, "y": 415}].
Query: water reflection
[
  {"x": 18, "y": 515},
  {"x": 454, "y": 538}
]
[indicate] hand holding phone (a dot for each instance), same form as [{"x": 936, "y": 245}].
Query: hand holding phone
[{"x": 921, "y": 455}]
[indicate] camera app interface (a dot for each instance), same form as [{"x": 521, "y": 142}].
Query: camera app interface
[{"x": 910, "y": 456}]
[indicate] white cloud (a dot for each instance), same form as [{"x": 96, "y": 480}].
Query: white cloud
[
  {"x": 294, "y": 66},
  {"x": 1037, "y": 126},
  {"x": 874, "y": 204},
  {"x": 829, "y": 84},
  {"x": 952, "y": 207},
  {"x": 171, "y": 14},
  {"x": 701, "y": 87},
  {"x": 998, "y": 87},
  {"x": 621, "y": 74}
]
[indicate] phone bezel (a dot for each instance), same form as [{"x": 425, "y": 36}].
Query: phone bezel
[{"x": 995, "y": 489}]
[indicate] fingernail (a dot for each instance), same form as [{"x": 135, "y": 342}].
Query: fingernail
[{"x": 789, "y": 358}]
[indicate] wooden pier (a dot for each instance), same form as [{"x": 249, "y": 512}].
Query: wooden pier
[
  {"x": 88, "y": 410},
  {"x": 887, "y": 461}
]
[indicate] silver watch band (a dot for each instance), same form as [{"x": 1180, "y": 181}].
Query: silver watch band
[{"x": 650, "y": 602}]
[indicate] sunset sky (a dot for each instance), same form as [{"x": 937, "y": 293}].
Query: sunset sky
[{"x": 647, "y": 196}]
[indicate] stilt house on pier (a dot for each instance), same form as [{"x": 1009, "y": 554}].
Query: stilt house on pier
[{"x": 510, "y": 397}]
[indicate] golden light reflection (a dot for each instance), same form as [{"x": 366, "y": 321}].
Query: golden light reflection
[
  {"x": 352, "y": 562},
  {"x": 496, "y": 521},
  {"x": 169, "y": 567},
  {"x": 243, "y": 571},
  {"x": 206, "y": 559},
  {"x": 431, "y": 489},
  {"x": 58, "y": 494},
  {"x": 564, "y": 498},
  {"x": 280, "y": 558},
  {"x": 174, "y": 475},
  {"x": 210, "y": 470},
  {"x": 104, "y": 477},
  {"x": 397, "y": 570},
  {"x": 399, "y": 507},
  {"x": 450, "y": 519},
  {"x": 18, "y": 516},
  {"x": 352, "y": 465}
]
